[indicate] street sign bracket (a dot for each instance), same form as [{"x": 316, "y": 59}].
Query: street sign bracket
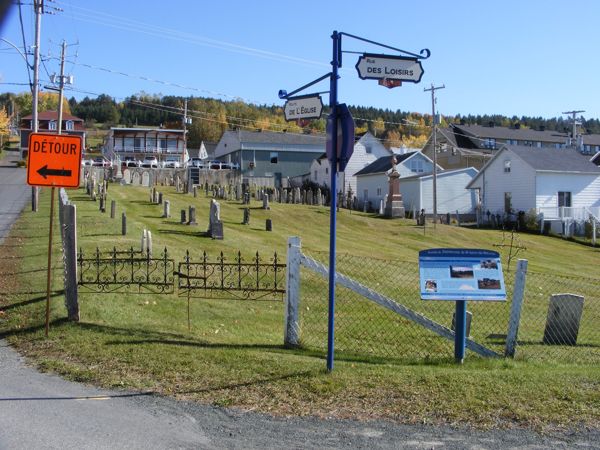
[
  {"x": 423, "y": 54},
  {"x": 283, "y": 94}
]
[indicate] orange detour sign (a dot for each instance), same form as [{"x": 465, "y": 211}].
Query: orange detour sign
[{"x": 54, "y": 160}]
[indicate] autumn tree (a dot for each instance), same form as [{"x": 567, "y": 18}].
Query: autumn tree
[{"x": 4, "y": 122}]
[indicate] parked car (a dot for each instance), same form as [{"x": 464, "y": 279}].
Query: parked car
[
  {"x": 130, "y": 161},
  {"x": 100, "y": 161},
  {"x": 197, "y": 162},
  {"x": 172, "y": 162},
  {"x": 150, "y": 161},
  {"x": 86, "y": 162},
  {"x": 215, "y": 164}
]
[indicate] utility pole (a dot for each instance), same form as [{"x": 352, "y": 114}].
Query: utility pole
[
  {"x": 435, "y": 123},
  {"x": 575, "y": 123},
  {"x": 186, "y": 120},
  {"x": 61, "y": 87},
  {"x": 38, "y": 6}
]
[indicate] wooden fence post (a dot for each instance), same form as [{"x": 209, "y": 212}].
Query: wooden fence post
[
  {"x": 70, "y": 254},
  {"x": 291, "y": 331},
  {"x": 515, "y": 309}
]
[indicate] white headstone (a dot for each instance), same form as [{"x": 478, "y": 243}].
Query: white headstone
[
  {"x": 127, "y": 176},
  {"x": 146, "y": 179},
  {"x": 135, "y": 179}
]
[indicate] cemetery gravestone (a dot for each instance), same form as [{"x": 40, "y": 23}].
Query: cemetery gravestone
[
  {"x": 215, "y": 227},
  {"x": 564, "y": 317}
]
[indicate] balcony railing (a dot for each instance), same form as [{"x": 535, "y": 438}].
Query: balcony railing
[{"x": 563, "y": 212}]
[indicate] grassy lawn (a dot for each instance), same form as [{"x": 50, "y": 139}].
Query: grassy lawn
[{"x": 233, "y": 354}]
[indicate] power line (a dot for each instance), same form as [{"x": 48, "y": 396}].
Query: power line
[
  {"x": 25, "y": 46},
  {"x": 101, "y": 18}
]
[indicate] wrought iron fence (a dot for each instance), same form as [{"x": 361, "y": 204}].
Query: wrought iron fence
[
  {"x": 117, "y": 271},
  {"x": 238, "y": 278},
  {"x": 364, "y": 329},
  {"x": 120, "y": 270}
]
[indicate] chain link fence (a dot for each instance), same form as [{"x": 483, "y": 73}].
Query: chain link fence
[{"x": 365, "y": 329}]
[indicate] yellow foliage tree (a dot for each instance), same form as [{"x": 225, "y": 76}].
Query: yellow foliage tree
[
  {"x": 4, "y": 121},
  {"x": 47, "y": 101}
]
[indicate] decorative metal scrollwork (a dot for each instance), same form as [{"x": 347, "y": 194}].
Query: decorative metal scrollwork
[
  {"x": 238, "y": 278},
  {"x": 118, "y": 271}
]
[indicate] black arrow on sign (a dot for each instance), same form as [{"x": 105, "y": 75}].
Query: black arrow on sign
[{"x": 44, "y": 171}]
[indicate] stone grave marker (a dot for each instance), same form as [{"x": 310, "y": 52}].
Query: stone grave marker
[
  {"x": 146, "y": 179},
  {"x": 135, "y": 179},
  {"x": 192, "y": 216},
  {"x": 215, "y": 227},
  {"x": 564, "y": 317}
]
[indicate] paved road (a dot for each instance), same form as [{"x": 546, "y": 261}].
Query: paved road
[{"x": 46, "y": 412}]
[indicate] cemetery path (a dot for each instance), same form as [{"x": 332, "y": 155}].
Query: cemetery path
[{"x": 44, "y": 411}]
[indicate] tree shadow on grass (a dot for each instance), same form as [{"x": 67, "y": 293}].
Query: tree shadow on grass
[{"x": 28, "y": 302}]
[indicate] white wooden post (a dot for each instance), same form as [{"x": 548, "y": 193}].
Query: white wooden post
[
  {"x": 292, "y": 296},
  {"x": 593, "y": 220},
  {"x": 515, "y": 308}
]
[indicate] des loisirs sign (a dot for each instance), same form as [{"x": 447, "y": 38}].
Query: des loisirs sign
[
  {"x": 54, "y": 160},
  {"x": 379, "y": 67}
]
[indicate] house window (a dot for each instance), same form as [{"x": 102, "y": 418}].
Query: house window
[
  {"x": 369, "y": 149},
  {"x": 162, "y": 144},
  {"x": 274, "y": 157},
  {"x": 137, "y": 144},
  {"x": 507, "y": 202},
  {"x": 507, "y": 166},
  {"x": 52, "y": 125},
  {"x": 150, "y": 144},
  {"x": 416, "y": 165},
  {"x": 326, "y": 170},
  {"x": 128, "y": 144},
  {"x": 70, "y": 125},
  {"x": 564, "y": 199},
  {"x": 489, "y": 143},
  {"x": 379, "y": 192}
]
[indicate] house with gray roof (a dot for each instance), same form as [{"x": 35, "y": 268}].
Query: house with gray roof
[
  {"x": 367, "y": 149},
  {"x": 270, "y": 157},
  {"x": 559, "y": 182},
  {"x": 372, "y": 182},
  {"x": 463, "y": 145}
]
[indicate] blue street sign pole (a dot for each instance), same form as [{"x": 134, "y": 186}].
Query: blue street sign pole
[
  {"x": 460, "y": 331},
  {"x": 332, "y": 219}
]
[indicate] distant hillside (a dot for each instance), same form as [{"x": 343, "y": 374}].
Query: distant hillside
[{"x": 211, "y": 117}]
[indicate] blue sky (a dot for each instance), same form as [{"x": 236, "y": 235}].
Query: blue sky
[{"x": 528, "y": 57}]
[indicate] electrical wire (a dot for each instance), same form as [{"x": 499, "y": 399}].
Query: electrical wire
[
  {"x": 25, "y": 47},
  {"x": 101, "y": 18}
]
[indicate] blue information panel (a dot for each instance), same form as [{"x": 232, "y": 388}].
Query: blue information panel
[{"x": 461, "y": 274}]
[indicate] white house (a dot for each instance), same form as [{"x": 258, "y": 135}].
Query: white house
[
  {"x": 452, "y": 193},
  {"x": 372, "y": 181},
  {"x": 557, "y": 182},
  {"x": 367, "y": 149}
]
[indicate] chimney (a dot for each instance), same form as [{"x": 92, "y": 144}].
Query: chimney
[
  {"x": 491, "y": 124},
  {"x": 517, "y": 126},
  {"x": 542, "y": 127}
]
